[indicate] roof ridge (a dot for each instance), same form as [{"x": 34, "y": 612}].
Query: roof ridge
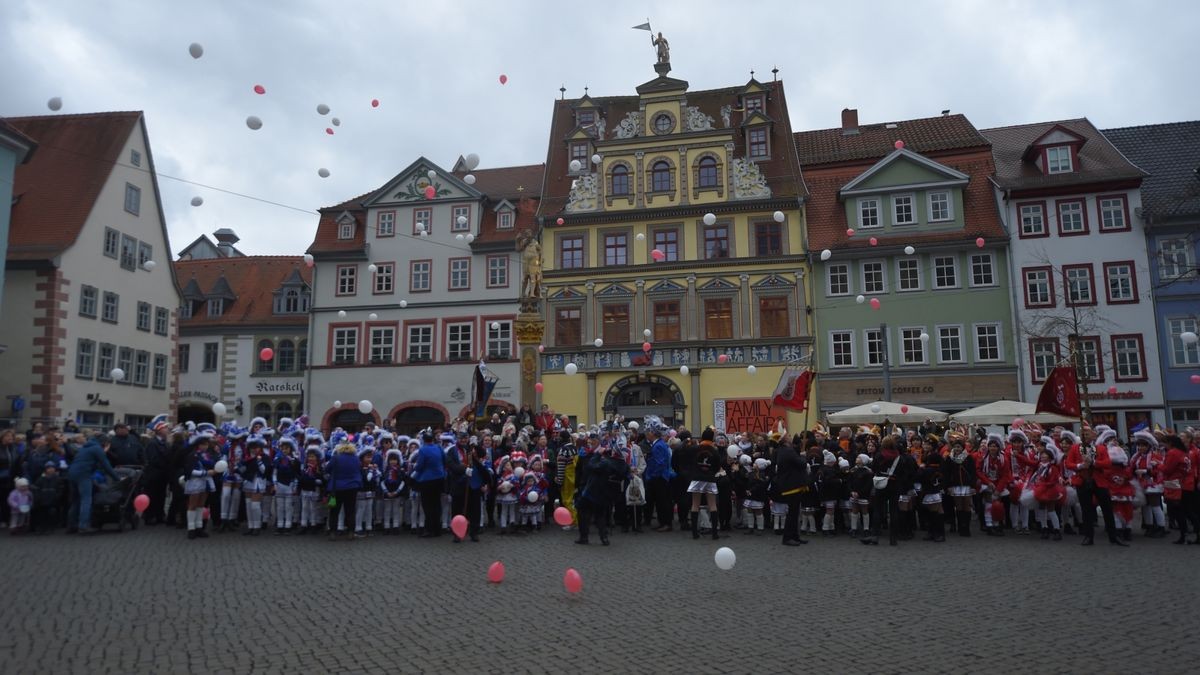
[
  {"x": 111, "y": 113},
  {"x": 1036, "y": 124},
  {"x": 689, "y": 92},
  {"x": 1151, "y": 126},
  {"x": 876, "y": 124},
  {"x": 243, "y": 257}
]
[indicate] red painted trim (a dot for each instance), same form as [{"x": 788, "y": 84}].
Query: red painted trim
[
  {"x": 1100, "y": 213},
  {"x": 450, "y": 274},
  {"x": 1091, "y": 283},
  {"x": 378, "y": 221},
  {"x": 1082, "y": 213},
  {"x": 433, "y": 342},
  {"x": 485, "y": 324},
  {"x": 411, "y": 264},
  {"x": 1049, "y": 283},
  {"x": 357, "y": 343},
  {"x": 1133, "y": 287},
  {"x": 1020, "y": 224},
  {"x": 416, "y": 403},
  {"x": 1033, "y": 361},
  {"x": 375, "y": 277},
  {"x": 337, "y": 281},
  {"x": 394, "y": 325},
  {"x": 1141, "y": 356},
  {"x": 1045, "y": 156},
  {"x": 1089, "y": 188},
  {"x": 331, "y": 412},
  {"x": 507, "y": 271},
  {"x": 454, "y": 320},
  {"x": 454, "y": 226},
  {"x": 1095, "y": 339}
]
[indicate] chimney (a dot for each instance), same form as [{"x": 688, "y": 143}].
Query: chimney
[
  {"x": 225, "y": 241},
  {"x": 849, "y": 121}
]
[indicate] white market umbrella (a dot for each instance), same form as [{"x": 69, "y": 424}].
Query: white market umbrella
[
  {"x": 870, "y": 413},
  {"x": 1004, "y": 412}
]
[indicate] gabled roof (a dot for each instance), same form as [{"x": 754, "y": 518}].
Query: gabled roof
[
  {"x": 1033, "y": 150},
  {"x": 221, "y": 289},
  {"x": 949, "y": 174},
  {"x": 661, "y": 83},
  {"x": 1099, "y": 161},
  {"x": 191, "y": 290},
  {"x": 75, "y": 156},
  {"x": 203, "y": 248},
  {"x": 12, "y": 137},
  {"x": 925, "y": 135},
  {"x": 253, "y": 279},
  {"x": 382, "y": 194},
  {"x": 1170, "y": 153}
]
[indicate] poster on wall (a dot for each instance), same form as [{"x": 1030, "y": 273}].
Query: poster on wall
[{"x": 747, "y": 415}]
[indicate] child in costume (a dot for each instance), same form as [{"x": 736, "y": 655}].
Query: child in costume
[
  {"x": 830, "y": 492},
  {"x": 1048, "y": 490},
  {"x": 530, "y": 502},
  {"x": 364, "y": 515},
  {"x": 929, "y": 477},
  {"x": 860, "y": 495},
  {"x": 1121, "y": 478},
  {"x": 508, "y": 492},
  {"x": 393, "y": 487},
  {"x": 757, "y": 489},
  {"x": 285, "y": 475},
  {"x": 1147, "y": 463},
  {"x": 310, "y": 480},
  {"x": 253, "y": 470},
  {"x": 231, "y": 480},
  {"x": 20, "y": 505},
  {"x": 198, "y": 482}
]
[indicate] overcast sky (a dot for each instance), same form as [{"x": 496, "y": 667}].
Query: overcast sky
[{"x": 435, "y": 65}]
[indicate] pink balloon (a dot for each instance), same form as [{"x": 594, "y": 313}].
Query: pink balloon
[
  {"x": 496, "y": 572},
  {"x": 541, "y": 348},
  {"x": 266, "y": 354},
  {"x": 722, "y": 358},
  {"x": 672, "y": 433},
  {"x": 206, "y": 513},
  {"x": 1112, "y": 390},
  {"x": 458, "y": 525},
  {"x": 310, "y": 263},
  {"x": 646, "y": 347},
  {"x": 329, "y": 131},
  {"x": 539, "y": 387},
  {"x": 374, "y": 103},
  {"x": 657, "y": 254},
  {"x": 1019, "y": 422},
  {"x": 1195, "y": 379},
  {"x": 899, "y": 144},
  {"x": 141, "y": 503},
  {"x": 430, "y": 192},
  {"x": 259, "y": 89},
  {"x": 875, "y": 303},
  {"x": 980, "y": 242},
  {"x": 560, "y": 221},
  {"x": 572, "y": 581},
  {"x": 562, "y": 516},
  {"x": 850, "y": 232},
  {"x": 503, "y": 79},
  {"x": 874, "y": 241},
  {"x": 904, "y": 409}
]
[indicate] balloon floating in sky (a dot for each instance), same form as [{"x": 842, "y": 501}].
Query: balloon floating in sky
[
  {"x": 596, "y": 158},
  {"x": 469, "y": 179},
  {"x": 710, "y": 218},
  {"x": 149, "y": 265},
  {"x": 562, "y": 516},
  {"x": 722, "y": 358},
  {"x": 541, "y": 348},
  {"x": 117, "y": 374},
  {"x": 778, "y": 216},
  {"x": 924, "y": 337},
  {"x": 196, "y": 50},
  {"x": 259, "y": 89},
  {"x": 322, "y": 109},
  {"x": 403, "y": 304},
  {"x": 826, "y": 254},
  {"x": 266, "y": 354},
  {"x": 979, "y": 242},
  {"x": 560, "y": 221},
  {"x": 472, "y": 161},
  {"x": 640, "y": 237},
  {"x": 503, "y": 79},
  {"x": 323, "y": 172},
  {"x": 470, "y": 237},
  {"x": 461, "y": 220},
  {"x": 254, "y": 123},
  {"x": 495, "y": 325},
  {"x": 218, "y": 409},
  {"x": 372, "y": 268},
  {"x": 725, "y": 558},
  {"x": 430, "y": 192},
  {"x": 459, "y": 236},
  {"x": 1195, "y": 379},
  {"x": 329, "y": 130},
  {"x": 657, "y": 254},
  {"x": 873, "y": 241},
  {"x": 197, "y": 201},
  {"x": 539, "y": 387},
  {"x": 336, "y": 122},
  {"x": 341, "y": 313},
  {"x": 908, "y": 250},
  {"x": 860, "y": 299},
  {"x": 646, "y": 347},
  {"x": 337, "y": 404},
  {"x": 365, "y": 407},
  {"x": 1112, "y": 390},
  {"x": 750, "y": 370},
  {"x": 54, "y": 103},
  {"x": 850, "y": 232},
  {"x": 141, "y": 503},
  {"x": 899, "y": 144},
  {"x": 576, "y": 165},
  {"x": 598, "y": 342},
  {"x": 683, "y": 370},
  {"x": 875, "y": 408},
  {"x": 1189, "y": 337},
  {"x": 904, "y": 409},
  {"x": 570, "y": 369},
  {"x": 374, "y": 103},
  {"x": 431, "y": 174},
  {"x": 875, "y": 303},
  {"x": 647, "y": 332},
  {"x": 308, "y": 259}
]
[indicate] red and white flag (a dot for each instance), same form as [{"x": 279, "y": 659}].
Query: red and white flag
[
  {"x": 792, "y": 391},
  {"x": 1060, "y": 394}
]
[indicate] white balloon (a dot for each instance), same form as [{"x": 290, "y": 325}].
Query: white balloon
[
  {"x": 683, "y": 370},
  {"x": 575, "y": 164},
  {"x": 710, "y": 218},
  {"x": 422, "y": 233},
  {"x": 598, "y": 342},
  {"x": 532, "y": 496},
  {"x": 908, "y": 250},
  {"x": 860, "y": 299},
  {"x": 117, "y": 374},
  {"x": 596, "y": 158},
  {"x": 431, "y": 173},
  {"x": 725, "y": 558},
  {"x": 875, "y": 408},
  {"x": 221, "y": 466},
  {"x": 1188, "y": 337},
  {"x": 372, "y": 268},
  {"x": 197, "y": 201},
  {"x": 322, "y": 109},
  {"x": 254, "y": 123},
  {"x": 571, "y": 369},
  {"x": 337, "y": 404},
  {"x": 519, "y": 472},
  {"x": 219, "y": 409},
  {"x": 323, "y": 172},
  {"x": 308, "y": 259},
  {"x": 341, "y": 313},
  {"x": 472, "y": 161},
  {"x": 732, "y": 451},
  {"x": 461, "y": 220},
  {"x": 641, "y": 236},
  {"x": 372, "y": 316},
  {"x": 54, "y": 103},
  {"x": 459, "y": 236},
  {"x": 196, "y": 50},
  {"x": 495, "y": 325},
  {"x": 647, "y": 332},
  {"x": 469, "y": 179},
  {"x": 149, "y": 265},
  {"x": 751, "y": 370},
  {"x": 778, "y": 215},
  {"x": 403, "y": 304},
  {"x": 336, "y": 122},
  {"x": 470, "y": 237},
  {"x": 365, "y": 407},
  {"x": 924, "y": 337},
  {"x": 420, "y": 227},
  {"x": 826, "y": 254}
]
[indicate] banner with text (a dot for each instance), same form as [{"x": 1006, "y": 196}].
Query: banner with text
[{"x": 747, "y": 415}]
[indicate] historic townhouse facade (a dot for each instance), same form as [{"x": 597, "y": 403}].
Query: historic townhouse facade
[
  {"x": 673, "y": 220},
  {"x": 1082, "y": 283},
  {"x": 87, "y": 274},
  {"x": 15, "y": 148},
  {"x": 234, "y": 308},
  {"x": 901, "y": 284},
  {"x": 414, "y": 284},
  {"x": 1170, "y": 214}
]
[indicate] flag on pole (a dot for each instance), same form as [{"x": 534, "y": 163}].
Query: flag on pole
[
  {"x": 481, "y": 388},
  {"x": 644, "y": 26},
  {"x": 792, "y": 391},
  {"x": 1060, "y": 394}
]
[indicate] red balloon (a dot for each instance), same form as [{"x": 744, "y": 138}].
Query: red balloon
[
  {"x": 850, "y": 232},
  {"x": 259, "y": 89},
  {"x": 266, "y": 354},
  {"x": 206, "y": 513},
  {"x": 141, "y": 503},
  {"x": 572, "y": 581},
  {"x": 874, "y": 241},
  {"x": 562, "y": 516},
  {"x": 903, "y": 408},
  {"x": 1112, "y": 390},
  {"x": 979, "y": 242},
  {"x": 329, "y": 131},
  {"x": 503, "y": 79},
  {"x": 539, "y": 387},
  {"x": 374, "y": 103},
  {"x": 430, "y": 192},
  {"x": 458, "y": 525},
  {"x": 646, "y": 347},
  {"x": 496, "y": 572},
  {"x": 657, "y": 254},
  {"x": 899, "y": 144},
  {"x": 1195, "y": 379},
  {"x": 541, "y": 348},
  {"x": 722, "y": 358},
  {"x": 1018, "y": 422},
  {"x": 874, "y": 303},
  {"x": 560, "y": 221}
]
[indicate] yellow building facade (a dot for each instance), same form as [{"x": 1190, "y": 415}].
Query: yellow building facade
[{"x": 673, "y": 242}]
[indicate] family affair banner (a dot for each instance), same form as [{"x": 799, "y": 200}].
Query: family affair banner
[{"x": 753, "y": 415}]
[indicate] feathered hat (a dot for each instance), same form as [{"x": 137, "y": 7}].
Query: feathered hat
[
  {"x": 1146, "y": 437},
  {"x": 1017, "y": 433}
]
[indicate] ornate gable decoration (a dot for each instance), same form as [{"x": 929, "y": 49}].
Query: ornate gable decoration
[
  {"x": 414, "y": 189},
  {"x": 630, "y": 127},
  {"x": 748, "y": 181},
  {"x": 585, "y": 194},
  {"x": 717, "y": 285},
  {"x": 566, "y": 294},
  {"x": 945, "y": 176},
  {"x": 774, "y": 281},
  {"x": 615, "y": 290},
  {"x": 694, "y": 120},
  {"x": 666, "y": 286}
]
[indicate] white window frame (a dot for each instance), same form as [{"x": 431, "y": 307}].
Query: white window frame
[
  {"x": 455, "y": 344},
  {"x": 1052, "y": 355},
  {"x": 213, "y": 348},
  {"x": 116, "y": 307},
  {"x": 875, "y": 206},
  {"x": 347, "y": 280},
  {"x": 1050, "y": 299},
  {"x": 1041, "y": 215},
  {"x": 934, "y": 263},
  {"x": 904, "y": 332},
  {"x": 1059, "y": 163},
  {"x": 106, "y": 359},
  {"x": 135, "y": 157},
  {"x": 1138, "y": 347},
  {"x": 158, "y": 376},
  {"x": 133, "y": 199},
  {"x": 141, "y": 368},
  {"x": 872, "y": 335},
  {"x": 415, "y": 273},
  {"x": 500, "y": 338},
  {"x": 1120, "y": 202},
  {"x": 1090, "y": 360},
  {"x": 162, "y": 321},
  {"x": 89, "y": 297},
  {"x": 849, "y": 342},
  {"x": 385, "y": 281},
  {"x": 464, "y": 274},
  {"x": 1178, "y": 266},
  {"x": 497, "y": 266},
  {"x": 958, "y": 336},
  {"x": 144, "y": 317},
  {"x": 345, "y": 338},
  {"x": 460, "y": 210},
  {"x": 1190, "y": 354},
  {"x": 949, "y": 205},
  {"x": 423, "y": 216},
  {"x": 389, "y": 221},
  {"x": 912, "y": 209},
  {"x": 829, "y": 272},
  {"x": 85, "y": 357},
  {"x": 504, "y": 220},
  {"x": 421, "y": 340},
  {"x": 346, "y": 229},
  {"x": 991, "y": 270},
  {"x": 112, "y": 237},
  {"x": 862, "y": 276},
  {"x": 1073, "y": 282},
  {"x": 1130, "y": 296},
  {"x": 1071, "y": 206},
  {"x": 379, "y": 346},
  {"x": 975, "y": 328},
  {"x": 216, "y": 306},
  {"x": 916, "y": 264}
]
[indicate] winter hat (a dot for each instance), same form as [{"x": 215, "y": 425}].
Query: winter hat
[
  {"x": 762, "y": 463},
  {"x": 394, "y": 453},
  {"x": 1053, "y": 448},
  {"x": 828, "y": 457},
  {"x": 995, "y": 438},
  {"x": 1069, "y": 436},
  {"x": 633, "y": 425},
  {"x": 1105, "y": 436},
  {"x": 257, "y": 420},
  {"x": 864, "y": 459},
  {"x": 1146, "y": 437},
  {"x": 256, "y": 439},
  {"x": 1017, "y": 433},
  {"x": 206, "y": 428},
  {"x": 1117, "y": 454},
  {"x": 21, "y": 482},
  {"x": 745, "y": 460},
  {"x": 843, "y": 464},
  {"x": 288, "y": 440},
  {"x": 745, "y": 445}
]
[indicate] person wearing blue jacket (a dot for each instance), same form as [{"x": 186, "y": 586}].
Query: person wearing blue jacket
[
  {"x": 429, "y": 474},
  {"x": 479, "y": 479},
  {"x": 658, "y": 475},
  {"x": 345, "y": 480},
  {"x": 88, "y": 460}
]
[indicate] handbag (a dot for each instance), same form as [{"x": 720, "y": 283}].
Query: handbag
[{"x": 881, "y": 482}]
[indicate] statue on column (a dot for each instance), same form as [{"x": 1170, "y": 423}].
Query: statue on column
[
  {"x": 662, "y": 47},
  {"x": 531, "y": 265}
]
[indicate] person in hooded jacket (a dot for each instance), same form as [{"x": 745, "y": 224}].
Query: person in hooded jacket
[
  {"x": 595, "y": 467},
  {"x": 90, "y": 459},
  {"x": 791, "y": 483}
]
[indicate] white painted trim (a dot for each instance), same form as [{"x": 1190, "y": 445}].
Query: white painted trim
[
  {"x": 853, "y": 360},
  {"x": 937, "y": 335},
  {"x": 999, "y": 341},
  {"x": 862, "y": 275},
  {"x": 920, "y": 277},
  {"x": 900, "y": 345},
  {"x": 829, "y": 278},
  {"x": 952, "y": 174}
]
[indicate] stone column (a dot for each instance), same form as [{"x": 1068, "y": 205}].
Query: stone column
[
  {"x": 693, "y": 310},
  {"x": 591, "y": 398},
  {"x": 588, "y": 314},
  {"x": 699, "y": 416},
  {"x": 529, "y": 328}
]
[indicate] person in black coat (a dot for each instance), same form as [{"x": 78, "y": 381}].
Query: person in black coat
[
  {"x": 682, "y": 461},
  {"x": 125, "y": 449},
  {"x": 11, "y": 469},
  {"x": 958, "y": 474},
  {"x": 896, "y": 469},
  {"x": 457, "y": 457},
  {"x": 177, "y": 453},
  {"x": 156, "y": 474},
  {"x": 930, "y": 479},
  {"x": 791, "y": 480},
  {"x": 594, "y": 469}
]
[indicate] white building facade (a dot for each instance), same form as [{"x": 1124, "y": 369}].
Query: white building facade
[{"x": 1081, "y": 276}]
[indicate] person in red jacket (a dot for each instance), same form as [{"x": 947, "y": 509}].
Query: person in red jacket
[
  {"x": 1102, "y": 472},
  {"x": 994, "y": 479},
  {"x": 1072, "y": 477},
  {"x": 1177, "y": 473},
  {"x": 1022, "y": 460},
  {"x": 1120, "y": 479},
  {"x": 1048, "y": 490},
  {"x": 544, "y": 420},
  {"x": 1147, "y": 470}
]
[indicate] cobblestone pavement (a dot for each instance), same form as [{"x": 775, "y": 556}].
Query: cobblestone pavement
[{"x": 152, "y": 602}]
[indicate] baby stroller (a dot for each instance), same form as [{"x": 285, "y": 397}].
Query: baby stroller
[{"x": 112, "y": 501}]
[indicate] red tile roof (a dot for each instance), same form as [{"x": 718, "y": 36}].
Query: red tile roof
[
  {"x": 782, "y": 171},
  {"x": 1099, "y": 160},
  {"x": 13, "y": 136},
  {"x": 253, "y": 279},
  {"x": 75, "y": 157},
  {"x": 929, "y": 134}
]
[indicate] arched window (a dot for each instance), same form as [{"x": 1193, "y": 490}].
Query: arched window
[
  {"x": 265, "y": 365},
  {"x": 291, "y": 301},
  {"x": 708, "y": 172},
  {"x": 282, "y": 410},
  {"x": 660, "y": 176},
  {"x": 302, "y": 355},
  {"x": 620, "y": 180},
  {"x": 286, "y": 355},
  {"x": 263, "y": 410}
]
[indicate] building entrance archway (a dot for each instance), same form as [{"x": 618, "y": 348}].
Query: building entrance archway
[{"x": 637, "y": 396}]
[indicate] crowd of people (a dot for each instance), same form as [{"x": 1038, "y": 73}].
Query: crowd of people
[{"x": 511, "y": 476}]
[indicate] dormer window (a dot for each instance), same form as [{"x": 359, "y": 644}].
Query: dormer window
[
  {"x": 346, "y": 229},
  {"x": 756, "y": 139},
  {"x": 1058, "y": 159},
  {"x": 754, "y": 103},
  {"x": 216, "y": 306},
  {"x": 579, "y": 151},
  {"x": 291, "y": 301},
  {"x": 504, "y": 220},
  {"x": 585, "y": 117}
]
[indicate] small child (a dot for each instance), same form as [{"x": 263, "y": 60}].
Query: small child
[
  {"x": 20, "y": 504},
  {"x": 253, "y": 470},
  {"x": 1048, "y": 491},
  {"x": 364, "y": 515},
  {"x": 531, "y": 497},
  {"x": 930, "y": 479},
  {"x": 393, "y": 486},
  {"x": 285, "y": 477},
  {"x": 508, "y": 489},
  {"x": 231, "y": 481},
  {"x": 310, "y": 481},
  {"x": 1121, "y": 477},
  {"x": 416, "y": 513},
  {"x": 48, "y": 495},
  {"x": 831, "y": 490},
  {"x": 860, "y": 496},
  {"x": 756, "y": 495}
]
